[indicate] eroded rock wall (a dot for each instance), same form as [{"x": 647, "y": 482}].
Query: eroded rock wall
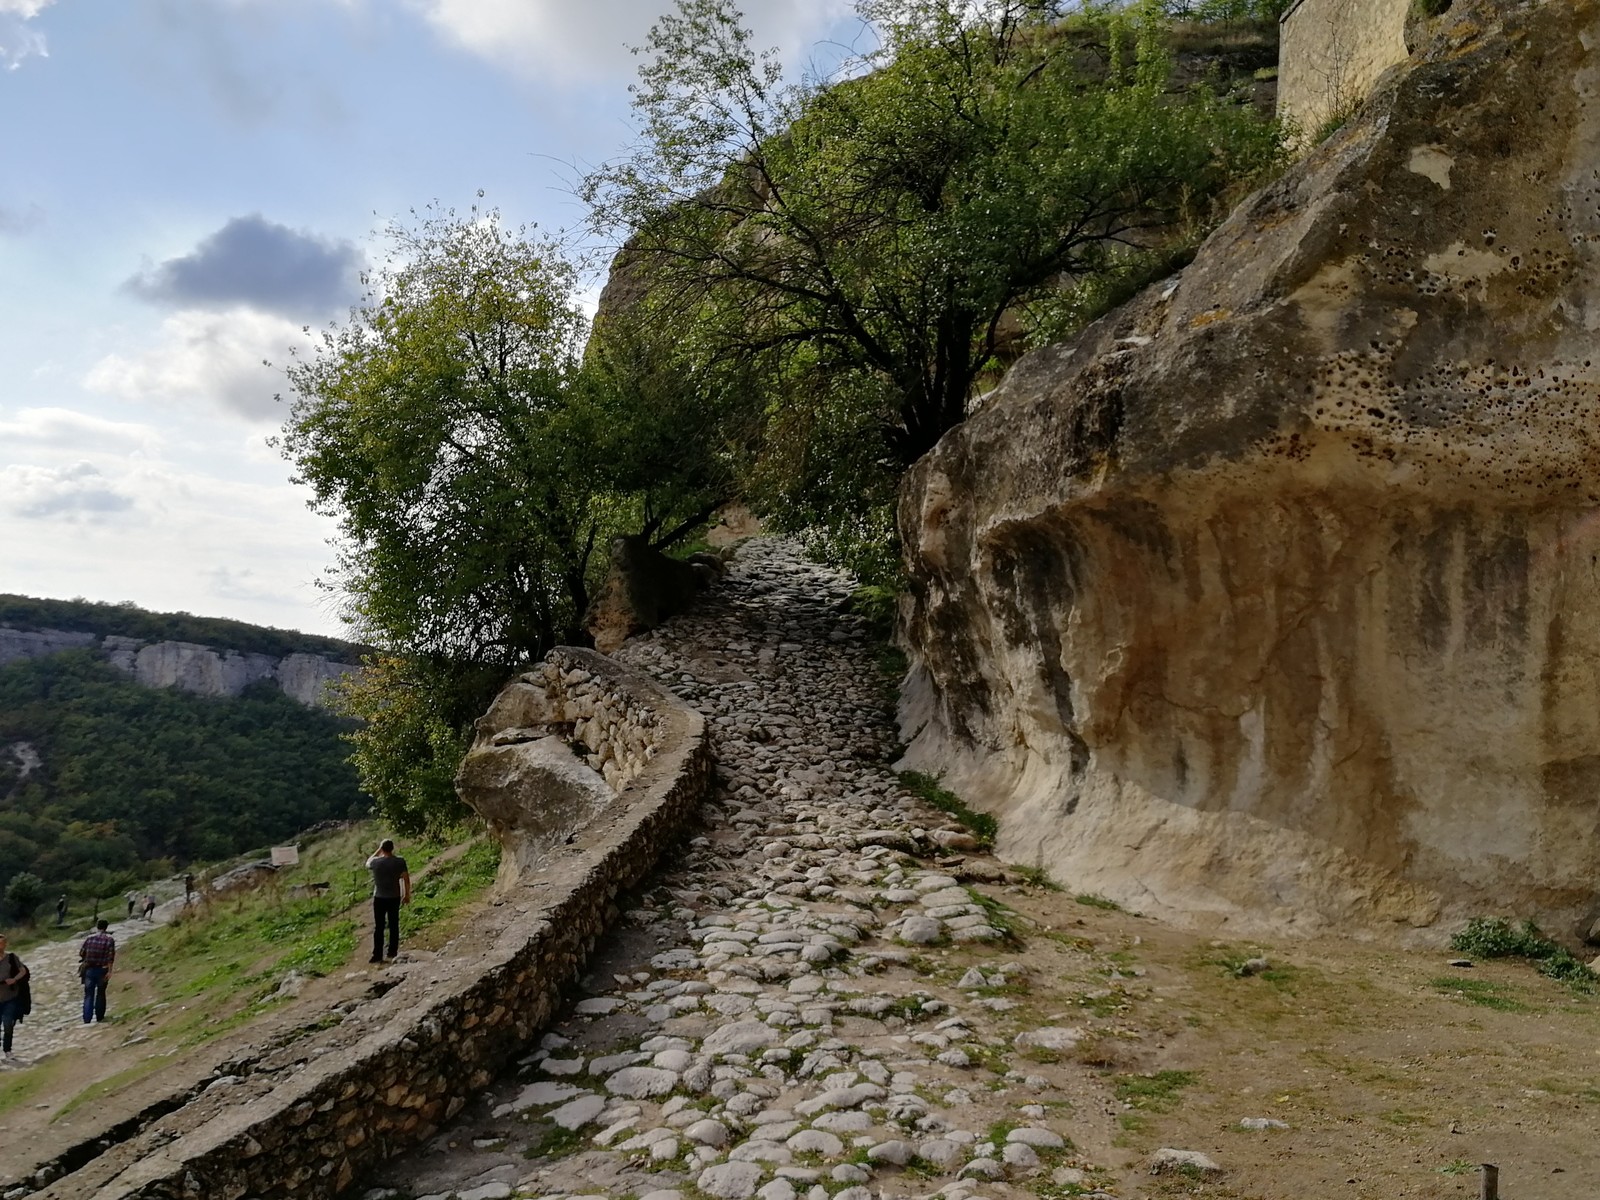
[{"x": 1275, "y": 598}]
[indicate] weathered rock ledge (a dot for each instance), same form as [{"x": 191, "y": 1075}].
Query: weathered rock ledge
[
  {"x": 301, "y": 1119},
  {"x": 1272, "y": 599}
]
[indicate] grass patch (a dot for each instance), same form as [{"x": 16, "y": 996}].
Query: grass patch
[
  {"x": 1160, "y": 1092},
  {"x": 983, "y": 826},
  {"x": 998, "y": 915},
  {"x": 1090, "y": 900},
  {"x": 1037, "y": 877},
  {"x": 20, "y": 1087},
  {"x": 1248, "y": 964},
  {"x": 221, "y": 962},
  {"x": 556, "y": 1142},
  {"x": 1477, "y": 991},
  {"x": 1491, "y": 937},
  {"x": 1104, "y": 1002}
]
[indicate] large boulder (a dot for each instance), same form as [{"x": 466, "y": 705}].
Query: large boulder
[
  {"x": 533, "y": 795},
  {"x": 1274, "y": 599}
]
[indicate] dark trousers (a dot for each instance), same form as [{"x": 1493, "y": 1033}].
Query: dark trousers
[
  {"x": 94, "y": 994},
  {"x": 385, "y": 911},
  {"x": 8, "y": 1021}
]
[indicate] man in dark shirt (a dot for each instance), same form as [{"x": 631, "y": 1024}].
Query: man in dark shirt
[
  {"x": 391, "y": 887},
  {"x": 95, "y": 959}
]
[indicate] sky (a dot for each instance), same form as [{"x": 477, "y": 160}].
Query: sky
[{"x": 190, "y": 185}]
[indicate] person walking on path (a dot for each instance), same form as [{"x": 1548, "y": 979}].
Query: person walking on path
[
  {"x": 391, "y": 887},
  {"x": 149, "y": 907},
  {"x": 188, "y": 889},
  {"x": 133, "y": 899},
  {"x": 61, "y": 912},
  {"x": 95, "y": 959},
  {"x": 12, "y": 973}
]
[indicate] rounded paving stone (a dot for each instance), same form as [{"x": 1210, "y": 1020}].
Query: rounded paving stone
[
  {"x": 639, "y": 1083},
  {"x": 730, "y": 1180}
]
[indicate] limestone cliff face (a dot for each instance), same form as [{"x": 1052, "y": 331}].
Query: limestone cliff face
[
  {"x": 1275, "y": 598},
  {"x": 188, "y": 666},
  {"x": 31, "y": 643}
]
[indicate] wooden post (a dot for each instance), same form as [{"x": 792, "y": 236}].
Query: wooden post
[{"x": 1491, "y": 1182}]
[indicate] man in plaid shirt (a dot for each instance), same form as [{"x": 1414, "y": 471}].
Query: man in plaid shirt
[{"x": 95, "y": 957}]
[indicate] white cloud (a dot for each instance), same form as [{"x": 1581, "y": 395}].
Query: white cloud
[
  {"x": 17, "y": 39},
  {"x": 64, "y": 429},
  {"x": 558, "y": 37},
  {"x": 208, "y": 358},
  {"x": 169, "y": 537},
  {"x": 74, "y": 493}
]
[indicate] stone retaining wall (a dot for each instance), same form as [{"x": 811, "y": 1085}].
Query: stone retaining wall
[{"x": 440, "y": 1034}]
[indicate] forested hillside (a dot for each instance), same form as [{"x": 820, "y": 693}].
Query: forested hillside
[
  {"x": 129, "y": 620},
  {"x": 104, "y": 782}
]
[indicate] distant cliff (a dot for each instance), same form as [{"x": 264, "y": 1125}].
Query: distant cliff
[{"x": 233, "y": 657}]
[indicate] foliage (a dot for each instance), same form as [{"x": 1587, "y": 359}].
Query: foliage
[
  {"x": 414, "y": 720},
  {"x": 24, "y": 893},
  {"x": 479, "y": 467},
  {"x": 136, "y": 779},
  {"x": 127, "y": 619},
  {"x": 872, "y": 239},
  {"x": 434, "y": 427},
  {"x": 1157, "y": 1092},
  {"x": 1477, "y": 991},
  {"x": 927, "y": 788},
  {"x": 1491, "y": 937}
]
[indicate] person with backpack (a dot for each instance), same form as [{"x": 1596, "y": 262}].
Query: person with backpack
[{"x": 16, "y": 997}]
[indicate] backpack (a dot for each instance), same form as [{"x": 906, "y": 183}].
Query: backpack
[{"x": 24, "y": 987}]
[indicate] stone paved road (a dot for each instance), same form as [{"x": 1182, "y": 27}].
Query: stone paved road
[
  {"x": 780, "y": 1015},
  {"x": 56, "y": 1022}
]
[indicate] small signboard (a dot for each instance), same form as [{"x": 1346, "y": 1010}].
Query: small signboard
[{"x": 286, "y": 856}]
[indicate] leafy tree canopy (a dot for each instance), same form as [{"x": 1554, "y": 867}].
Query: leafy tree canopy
[
  {"x": 479, "y": 465},
  {"x": 889, "y": 222}
]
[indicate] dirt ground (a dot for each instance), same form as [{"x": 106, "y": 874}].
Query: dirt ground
[{"x": 1395, "y": 1073}]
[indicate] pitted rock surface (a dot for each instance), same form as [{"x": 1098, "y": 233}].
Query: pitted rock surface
[{"x": 760, "y": 1025}]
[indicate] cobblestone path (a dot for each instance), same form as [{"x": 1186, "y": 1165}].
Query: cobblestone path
[{"x": 811, "y": 1001}]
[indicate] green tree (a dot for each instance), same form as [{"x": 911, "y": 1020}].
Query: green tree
[
  {"x": 478, "y": 466},
  {"x": 24, "y": 894},
  {"x": 888, "y": 223}
]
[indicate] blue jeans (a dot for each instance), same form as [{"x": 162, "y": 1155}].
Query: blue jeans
[
  {"x": 10, "y": 1012},
  {"x": 94, "y": 994}
]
